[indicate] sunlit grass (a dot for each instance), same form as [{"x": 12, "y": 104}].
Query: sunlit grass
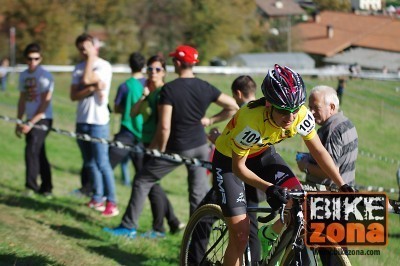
[{"x": 63, "y": 231}]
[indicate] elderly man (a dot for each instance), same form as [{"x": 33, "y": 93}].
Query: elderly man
[{"x": 337, "y": 134}]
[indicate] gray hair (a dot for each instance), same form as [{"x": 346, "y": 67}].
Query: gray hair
[{"x": 330, "y": 94}]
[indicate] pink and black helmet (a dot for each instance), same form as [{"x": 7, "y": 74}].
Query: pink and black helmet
[{"x": 284, "y": 88}]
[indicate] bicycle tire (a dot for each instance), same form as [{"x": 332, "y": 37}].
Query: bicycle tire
[
  {"x": 207, "y": 224},
  {"x": 337, "y": 253}
]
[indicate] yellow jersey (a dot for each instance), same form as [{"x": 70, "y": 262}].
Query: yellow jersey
[{"x": 251, "y": 131}]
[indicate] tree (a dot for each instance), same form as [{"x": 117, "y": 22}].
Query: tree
[
  {"x": 334, "y": 5},
  {"x": 40, "y": 23},
  {"x": 215, "y": 27},
  {"x": 111, "y": 22},
  {"x": 161, "y": 24},
  {"x": 219, "y": 27}
]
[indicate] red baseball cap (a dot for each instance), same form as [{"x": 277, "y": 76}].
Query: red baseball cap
[{"x": 186, "y": 54}]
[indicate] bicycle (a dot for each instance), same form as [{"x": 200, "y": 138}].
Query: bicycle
[{"x": 205, "y": 238}]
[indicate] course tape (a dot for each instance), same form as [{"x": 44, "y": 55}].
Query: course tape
[
  {"x": 173, "y": 157},
  {"x": 317, "y": 187},
  {"x": 360, "y": 152}
]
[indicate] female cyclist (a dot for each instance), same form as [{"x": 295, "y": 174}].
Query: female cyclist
[{"x": 244, "y": 152}]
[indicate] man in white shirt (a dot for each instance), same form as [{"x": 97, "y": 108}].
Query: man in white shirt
[{"x": 91, "y": 81}]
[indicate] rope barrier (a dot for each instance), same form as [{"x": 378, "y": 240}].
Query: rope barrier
[
  {"x": 360, "y": 152},
  {"x": 173, "y": 157},
  {"x": 316, "y": 187}
]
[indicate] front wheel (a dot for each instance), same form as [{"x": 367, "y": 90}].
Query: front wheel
[
  {"x": 205, "y": 238},
  {"x": 334, "y": 255}
]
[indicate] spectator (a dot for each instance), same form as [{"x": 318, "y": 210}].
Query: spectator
[
  {"x": 340, "y": 89},
  {"x": 147, "y": 106},
  {"x": 355, "y": 70},
  {"x": 339, "y": 137},
  {"x": 182, "y": 107},
  {"x": 125, "y": 174},
  {"x": 337, "y": 134},
  {"x": 91, "y": 80},
  {"x": 4, "y": 64},
  {"x": 129, "y": 93},
  {"x": 385, "y": 70},
  {"x": 86, "y": 189},
  {"x": 36, "y": 87},
  {"x": 398, "y": 180}
]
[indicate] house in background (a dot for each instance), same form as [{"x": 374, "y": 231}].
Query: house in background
[
  {"x": 372, "y": 5},
  {"x": 277, "y": 15},
  {"x": 332, "y": 33},
  {"x": 278, "y": 8},
  {"x": 368, "y": 59},
  {"x": 296, "y": 61}
]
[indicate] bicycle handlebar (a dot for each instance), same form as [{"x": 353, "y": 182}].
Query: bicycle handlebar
[
  {"x": 394, "y": 206},
  {"x": 296, "y": 194}
]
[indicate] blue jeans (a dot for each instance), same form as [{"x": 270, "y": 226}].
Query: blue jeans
[
  {"x": 96, "y": 161},
  {"x": 4, "y": 83},
  {"x": 126, "y": 178}
]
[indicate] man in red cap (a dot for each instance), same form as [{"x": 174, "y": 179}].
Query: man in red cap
[
  {"x": 182, "y": 107},
  {"x": 186, "y": 54}
]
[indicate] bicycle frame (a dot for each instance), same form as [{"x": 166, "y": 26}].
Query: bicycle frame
[
  {"x": 209, "y": 220},
  {"x": 289, "y": 237}
]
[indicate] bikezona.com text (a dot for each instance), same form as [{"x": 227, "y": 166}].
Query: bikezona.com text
[{"x": 354, "y": 252}]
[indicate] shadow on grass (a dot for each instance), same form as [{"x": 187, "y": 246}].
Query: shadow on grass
[
  {"x": 119, "y": 256},
  {"x": 31, "y": 260},
  {"x": 66, "y": 170},
  {"x": 394, "y": 235},
  {"x": 73, "y": 232},
  {"x": 11, "y": 188},
  {"x": 67, "y": 231},
  {"x": 31, "y": 203}
]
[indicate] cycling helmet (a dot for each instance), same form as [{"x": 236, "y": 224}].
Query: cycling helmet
[{"x": 284, "y": 88}]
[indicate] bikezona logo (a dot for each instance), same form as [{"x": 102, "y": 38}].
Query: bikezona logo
[{"x": 346, "y": 219}]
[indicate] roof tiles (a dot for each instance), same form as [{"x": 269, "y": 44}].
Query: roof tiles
[{"x": 376, "y": 32}]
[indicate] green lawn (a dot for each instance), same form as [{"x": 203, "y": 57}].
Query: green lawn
[{"x": 62, "y": 231}]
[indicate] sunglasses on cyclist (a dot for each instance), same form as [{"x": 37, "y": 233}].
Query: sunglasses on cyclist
[
  {"x": 33, "y": 58},
  {"x": 157, "y": 69},
  {"x": 286, "y": 112}
]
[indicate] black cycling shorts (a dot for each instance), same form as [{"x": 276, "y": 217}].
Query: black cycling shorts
[{"x": 230, "y": 189}]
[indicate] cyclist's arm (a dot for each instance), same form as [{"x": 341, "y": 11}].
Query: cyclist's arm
[
  {"x": 324, "y": 160},
  {"x": 249, "y": 177}
]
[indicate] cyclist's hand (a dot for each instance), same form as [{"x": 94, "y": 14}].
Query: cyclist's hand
[
  {"x": 276, "y": 196},
  {"x": 347, "y": 188}
]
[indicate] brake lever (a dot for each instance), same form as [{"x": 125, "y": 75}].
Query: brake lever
[{"x": 282, "y": 211}]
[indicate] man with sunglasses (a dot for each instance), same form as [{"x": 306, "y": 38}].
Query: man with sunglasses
[{"x": 36, "y": 87}]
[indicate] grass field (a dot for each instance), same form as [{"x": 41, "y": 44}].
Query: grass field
[{"x": 62, "y": 231}]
